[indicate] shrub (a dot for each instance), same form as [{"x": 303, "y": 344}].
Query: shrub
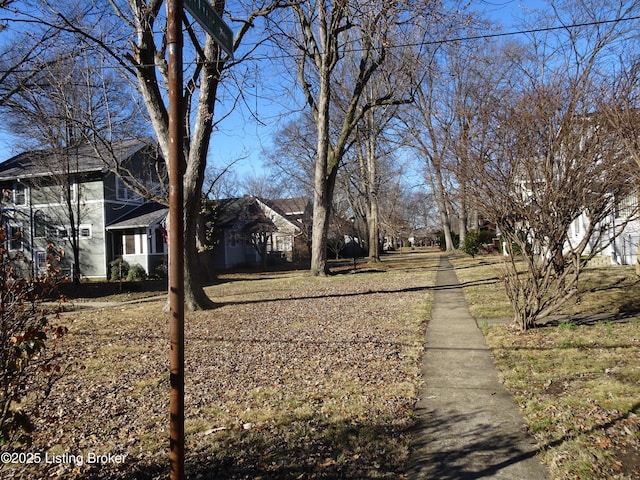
[
  {"x": 119, "y": 269},
  {"x": 136, "y": 273},
  {"x": 29, "y": 358},
  {"x": 472, "y": 243},
  {"x": 162, "y": 270}
]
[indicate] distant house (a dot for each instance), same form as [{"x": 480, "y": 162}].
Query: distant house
[
  {"x": 246, "y": 228},
  {"x": 140, "y": 237},
  {"x": 73, "y": 195},
  {"x": 618, "y": 243},
  {"x": 292, "y": 217}
]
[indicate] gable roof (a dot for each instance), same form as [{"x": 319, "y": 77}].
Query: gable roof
[
  {"x": 141, "y": 217},
  {"x": 231, "y": 212},
  {"x": 290, "y": 208},
  {"x": 40, "y": 163},
  {"x": 228, "y": 210}
]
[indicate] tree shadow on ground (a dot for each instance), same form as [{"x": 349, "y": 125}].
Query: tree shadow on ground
[
  {"x": 296, "y": 449},
  {"x": 346, "y": 450},
  {"x": 485, "y": 454},
  {"x": 446, "y": 452},
  {"x": 94, "y": 290},
  {"x": 591, "y": 319}
]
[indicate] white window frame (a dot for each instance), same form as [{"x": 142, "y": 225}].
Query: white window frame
[
  {"x": 233, "y": 239},
  {"x": 40, "y": 257},
  {"x": 139, "y": 243},
  {"x": 12, "y": 227},
  {"x": 123, "y": 192},
  {"x": 19, "y": 191},
  {"x": 86, "y": 227},
  {"x": 40, "y": 221},
  {"x": 73, "y": 187},
  {"x": 62, "y": 231}
]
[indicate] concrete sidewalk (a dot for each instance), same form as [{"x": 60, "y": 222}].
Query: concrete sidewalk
[{"x": 468, "y": 426}]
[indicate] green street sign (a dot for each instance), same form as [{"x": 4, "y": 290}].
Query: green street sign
[{"x": 211, "y": 22}]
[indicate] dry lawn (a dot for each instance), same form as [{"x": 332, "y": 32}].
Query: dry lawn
[
  {"x": 577, "y": 379},
  {"x": 291, "y": 377}
]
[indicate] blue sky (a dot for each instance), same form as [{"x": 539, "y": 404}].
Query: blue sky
[
  {"x": 241, "y": 138},
  {"x": 244, "y": 138}
]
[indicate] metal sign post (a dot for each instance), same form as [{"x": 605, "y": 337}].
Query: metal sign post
[
  {"x": 222, "y": 34},
  {"x": 176, "y": 240}
]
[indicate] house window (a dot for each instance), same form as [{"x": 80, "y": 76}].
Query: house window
[
  {"x": 134, "y": 244},
  {"x": 39, "y": 225},
  {"x": 628, "y": 206},
  {"x": 129, "y": 244},
  {"x": 69, "y": 193},
  {"x": 283, "y": 244},
  {"x": 16, "y": 236},
  {"x": 41, "y": 260},
  {"x": 123, "y": 192},
  {"x": 233, "y": 238},
  {"x": 19, "y": 194},
  {"x": 62, "y": 232},
  {"x": 84, "y": 231},
  {"x": 159, "y": 241}
]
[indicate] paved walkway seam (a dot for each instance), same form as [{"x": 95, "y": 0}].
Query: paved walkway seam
[{"x": 467, "y": 425}]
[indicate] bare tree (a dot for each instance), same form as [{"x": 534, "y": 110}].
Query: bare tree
[
  {"x": 620, "y": 106},
  {"x": 325, "y": 36},
  {"x": 553, "y": 165},
  {"x": 370, "y": 168},
  {"x": 55, "y": 111},
  {"x": 293, "y": 153},
  {"x": 554, "y": 160},
  {"x": 263, "y": 185},
  {"x": 24, "y": 54},
  {"x": 426, "y": 131},
  {"x": 440, "y": 124},
  {"x": 131, "y": 36}
]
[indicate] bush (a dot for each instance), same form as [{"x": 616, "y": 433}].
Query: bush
[
  {"x": 472, "y": 243},
  {"x": 29, "y": 357},
  {"x": 136, "y": 273},
  {"x": 162, "y": 270},
  {"x": 119, "y": 270}
]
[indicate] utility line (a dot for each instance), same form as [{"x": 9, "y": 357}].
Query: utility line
[
  {"x": 442, "y": 41},
  {"x": 526, "y": 32}
]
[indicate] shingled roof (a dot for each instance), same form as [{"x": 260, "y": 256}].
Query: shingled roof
[
  {"x": 141, "y": 217},
  {"x": 40, "y": 163}
]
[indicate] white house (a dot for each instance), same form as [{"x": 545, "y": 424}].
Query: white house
[{"x": 618, "y": 244}]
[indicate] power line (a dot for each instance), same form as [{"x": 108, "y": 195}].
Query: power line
[
  {"x": 530, "y": 31},
  {"x": 442, "y": 41},
  {"x": 486, "y": 36}
]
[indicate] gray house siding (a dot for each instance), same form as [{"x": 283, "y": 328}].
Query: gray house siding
[{"x": 34, "y": 206}]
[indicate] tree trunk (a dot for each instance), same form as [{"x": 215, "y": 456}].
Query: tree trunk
[
  {"x": 463, "y": 218},
  {"x": 445, "y": 222},
  {"x": 194, "y": 296},
  {"x": 374, "y": 230},
  {"x": 322, "y": 196},
  {"x": 373, "y": 220}
]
